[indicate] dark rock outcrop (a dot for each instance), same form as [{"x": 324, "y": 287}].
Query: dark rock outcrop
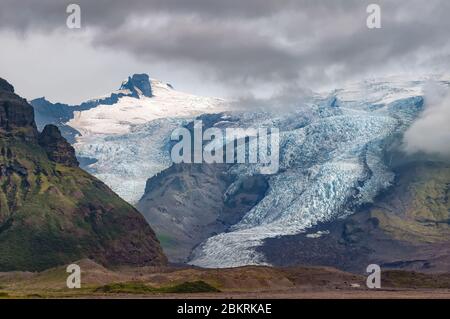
[
  {"x": 5, "y": 86},
  {"x": 57, "y": 114},
  {"x": 57, "y": 148},
  {"x": 16, "y": 115},
  {"x": 137, "y": 82},
  {"x": 187, "y": 203}
]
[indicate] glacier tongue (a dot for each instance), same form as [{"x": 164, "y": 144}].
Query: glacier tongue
[{"x": 328, "y": 167}]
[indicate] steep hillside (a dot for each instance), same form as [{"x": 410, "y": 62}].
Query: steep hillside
[
  {"x": 407, "y": 227},
  {"x": 51, "y": 211},
  {"x": 185, "y": 204}
]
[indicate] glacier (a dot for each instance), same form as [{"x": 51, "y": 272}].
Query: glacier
[
  {"x": 329, "y": 166},
  {"x": 331, "y": 153}
]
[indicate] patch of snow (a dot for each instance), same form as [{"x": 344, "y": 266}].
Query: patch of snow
[{"x": 317, "y": 234}]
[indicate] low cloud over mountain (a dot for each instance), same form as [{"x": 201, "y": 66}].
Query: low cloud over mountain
[
  {"x": 211, "y": 47},
  {"x": 430, "y": 133}
]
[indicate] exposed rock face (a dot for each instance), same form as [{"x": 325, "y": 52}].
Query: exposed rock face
[
  {"x": 137, "y": 82},
  {"x": 16, "y": 115},
  {"x": 187, "y": 204},
  {"x": 56, "y": 147},
  {"x": 5, "y": 86},
  {"x": 54, "y": 213},
  {"x": 57, "y": 114}
]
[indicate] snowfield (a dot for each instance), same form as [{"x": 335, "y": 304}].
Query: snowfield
[
  {"x": 119, "y": 118},
  {"x": 129, "y": 139}
]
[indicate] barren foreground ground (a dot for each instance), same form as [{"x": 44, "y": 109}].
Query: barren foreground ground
[{"x": 243, "y": 282}]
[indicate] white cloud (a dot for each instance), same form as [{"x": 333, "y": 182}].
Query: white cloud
[{"x": 430, "y": 133}]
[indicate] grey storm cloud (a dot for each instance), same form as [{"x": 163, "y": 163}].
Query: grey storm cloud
[{"x": 254, "y": 42}]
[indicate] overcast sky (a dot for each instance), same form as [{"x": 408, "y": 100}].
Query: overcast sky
[{"x": 224, "y": 48}]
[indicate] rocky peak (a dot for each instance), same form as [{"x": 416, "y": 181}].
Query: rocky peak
[
  {"x": 16, "y": 115},
  {"x": 57, "y": 148},
  {"x": 85, "y": 210},
  {"x": 40, "y": 101},
  {"x": 5, "y": 86},
  {"x": 138, "y": 84}
]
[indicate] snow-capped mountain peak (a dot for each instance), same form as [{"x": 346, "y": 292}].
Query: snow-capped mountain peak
[{"x": 139, "y": 101}]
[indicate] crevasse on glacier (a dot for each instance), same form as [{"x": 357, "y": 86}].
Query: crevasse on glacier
[{"x": 329, "y": 165}]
